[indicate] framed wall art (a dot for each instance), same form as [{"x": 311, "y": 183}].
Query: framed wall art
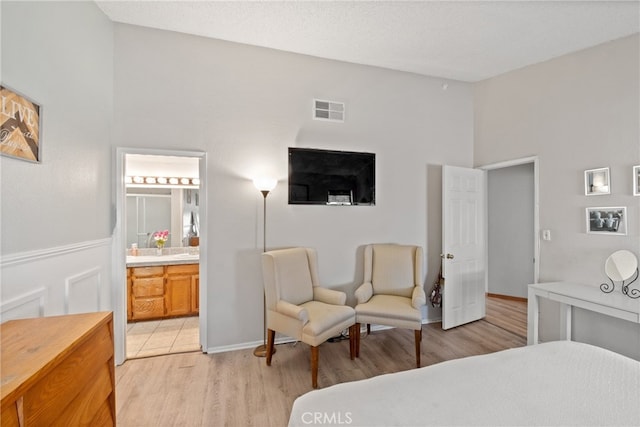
[
  {"x": 596, "y": 182},
  {"x": 20, "y": 120},
  {"x": 609, "y": 220},
  {"x": 636, "y": 180}
]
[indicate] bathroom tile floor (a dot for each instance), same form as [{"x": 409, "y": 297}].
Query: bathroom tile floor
[{"x": 156, "y": 337}]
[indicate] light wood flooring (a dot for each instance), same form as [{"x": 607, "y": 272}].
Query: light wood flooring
[{"x": 238, "y": 389}]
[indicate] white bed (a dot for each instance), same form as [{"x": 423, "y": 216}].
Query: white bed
[{"x": 558, "y": 383}]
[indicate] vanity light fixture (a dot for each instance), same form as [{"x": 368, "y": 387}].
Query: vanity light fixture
[{"x": 161, "y": 181}]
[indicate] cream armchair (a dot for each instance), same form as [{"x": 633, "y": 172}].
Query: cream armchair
[
  {"x": 392, "y": 292},
  {"x": 298, "y": 307}
]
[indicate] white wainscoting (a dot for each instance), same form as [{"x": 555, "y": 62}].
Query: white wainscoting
[{"x": 62, "y": 280}]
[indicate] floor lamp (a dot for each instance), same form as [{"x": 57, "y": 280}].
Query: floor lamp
[{"x": 264, "y": 185}]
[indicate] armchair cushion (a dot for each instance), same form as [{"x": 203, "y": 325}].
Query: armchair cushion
[
  {"x": 364, "y": 292},
  {"x": 294, "y": 311},
  {"x": 329, "y": 296},
  {"x": 393, "y": 270},
  {"x": 418, "y": 298},
  {"x": 390, "y": 310},
  {"x": 325, "y": 321}
]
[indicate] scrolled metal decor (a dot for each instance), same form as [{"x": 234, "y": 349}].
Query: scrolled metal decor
[{"x": 621, "y": 267}]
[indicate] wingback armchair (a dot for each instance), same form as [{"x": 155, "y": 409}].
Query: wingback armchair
[
  {"x": 297, "y": 306},
  {"x": 392, "y": 292}
]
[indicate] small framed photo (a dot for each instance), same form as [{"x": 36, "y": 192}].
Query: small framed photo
[
  {"x": 20, "y": 124},
  {"x": 596, "y": 182},
  {"x": 636, "y": 180},
  {"x": 612, "y": 221}
]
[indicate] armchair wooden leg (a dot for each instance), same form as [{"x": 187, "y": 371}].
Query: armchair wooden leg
[
  {"x": 418, "y": 338},
  {"x": 270, "y": 338},
  {"x": 357, "y": 327},
  {"x": 368, "y": 328},
  {"x": 314, "y": 367},
  {"x": 352, "y": 341}
]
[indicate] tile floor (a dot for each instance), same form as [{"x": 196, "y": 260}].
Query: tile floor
[{"x": 156, "y": 337}]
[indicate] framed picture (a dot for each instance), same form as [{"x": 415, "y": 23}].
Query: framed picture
[
  {"x": 612, "y": 221},
  {"x": 20, "y": 119},
  {"x": 596, "y": 182},
  {"x": 636, "y": 180}
]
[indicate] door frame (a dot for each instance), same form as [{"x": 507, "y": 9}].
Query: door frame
[
  {"x": 536, "y": 203},
  {"x": 119, "y": 250}
]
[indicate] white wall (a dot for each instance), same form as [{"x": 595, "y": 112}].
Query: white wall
[
  {"x": 56, "y": 221},
  {"x": 576, "y": 112},
  {"x": 244, "y": 106},
  {"x": 510, "y": 233}
]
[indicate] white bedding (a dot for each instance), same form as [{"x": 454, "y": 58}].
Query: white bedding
[{"x": 558, "y": 383}]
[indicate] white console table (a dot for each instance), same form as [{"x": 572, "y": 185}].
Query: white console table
[{"x": 587, "y": 297}]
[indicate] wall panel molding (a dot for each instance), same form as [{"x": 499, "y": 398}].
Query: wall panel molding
[
  {"x": 29, "y": 304},
  {"x": 40, "y": 254},
  {"x": 82, "y": 291}
]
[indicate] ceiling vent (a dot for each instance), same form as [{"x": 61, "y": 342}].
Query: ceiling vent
[{"x": 328, "y": 110}]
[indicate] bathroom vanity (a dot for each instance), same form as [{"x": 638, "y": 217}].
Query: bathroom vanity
[{"x": 163, "y": 286}]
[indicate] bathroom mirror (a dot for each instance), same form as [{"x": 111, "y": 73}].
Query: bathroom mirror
[
  {"x": 621, "y": 266},
  {"x": 156, "y": 209}
]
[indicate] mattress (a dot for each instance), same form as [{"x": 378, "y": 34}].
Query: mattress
[{"x": 561, "y": 383}]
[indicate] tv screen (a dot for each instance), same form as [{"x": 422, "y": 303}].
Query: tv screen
[{"x": 325, "y": 177}]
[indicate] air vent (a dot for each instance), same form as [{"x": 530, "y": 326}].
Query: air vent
[{"x": 328, "y": 110}]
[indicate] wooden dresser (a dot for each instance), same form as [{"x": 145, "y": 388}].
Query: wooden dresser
[{"x": 58, "y": 371}]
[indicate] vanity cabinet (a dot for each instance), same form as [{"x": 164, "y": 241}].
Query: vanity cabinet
[
  {"x": 147, "y": 292},
  {"x": 156, "y": 292}
]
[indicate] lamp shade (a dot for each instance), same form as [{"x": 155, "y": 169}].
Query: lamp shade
[{"x": 265, "y": 184}]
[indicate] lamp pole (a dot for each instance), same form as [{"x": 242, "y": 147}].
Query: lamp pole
[{"x": 265, "y": 186}]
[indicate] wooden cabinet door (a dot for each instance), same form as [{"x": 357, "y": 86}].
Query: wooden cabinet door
[
  {"x": 195, "y": 294},
  {"x": 178, "y": 295},
  {"x": 129, "y": 295}
]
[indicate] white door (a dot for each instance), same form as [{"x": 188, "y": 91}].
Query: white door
[{"x": 463, "y": 245}]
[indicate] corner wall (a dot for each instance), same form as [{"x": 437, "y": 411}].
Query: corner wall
[{"x": 576, "y": 112}]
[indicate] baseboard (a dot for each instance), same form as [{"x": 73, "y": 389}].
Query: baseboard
[{"x": 286, "y": 340}]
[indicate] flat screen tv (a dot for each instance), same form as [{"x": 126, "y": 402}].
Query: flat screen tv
[{"x": 325, "y": 177}]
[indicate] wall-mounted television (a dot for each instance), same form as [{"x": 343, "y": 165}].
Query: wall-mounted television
[{"x": 325, "y": 177}]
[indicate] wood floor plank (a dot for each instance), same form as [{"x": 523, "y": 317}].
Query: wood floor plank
[{"x": 238, "y": 389}]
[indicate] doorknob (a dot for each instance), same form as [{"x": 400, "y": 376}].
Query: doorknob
[{"x": 449, "y": 256}]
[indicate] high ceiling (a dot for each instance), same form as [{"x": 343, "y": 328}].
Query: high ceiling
[{"x": 461, "y": 40}]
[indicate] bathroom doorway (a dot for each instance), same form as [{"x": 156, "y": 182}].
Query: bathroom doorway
[{"x": 160, "y": 296}]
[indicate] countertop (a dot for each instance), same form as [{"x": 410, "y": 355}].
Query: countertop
[{"x": 150, "y": 260}]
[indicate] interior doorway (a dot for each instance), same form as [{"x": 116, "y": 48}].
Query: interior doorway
[
  {"x": 160, "y": 293},
  {"x": 512, "y": 227}
]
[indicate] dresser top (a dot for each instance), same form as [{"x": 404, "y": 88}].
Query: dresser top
[{"x": 35, "y": 346}]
